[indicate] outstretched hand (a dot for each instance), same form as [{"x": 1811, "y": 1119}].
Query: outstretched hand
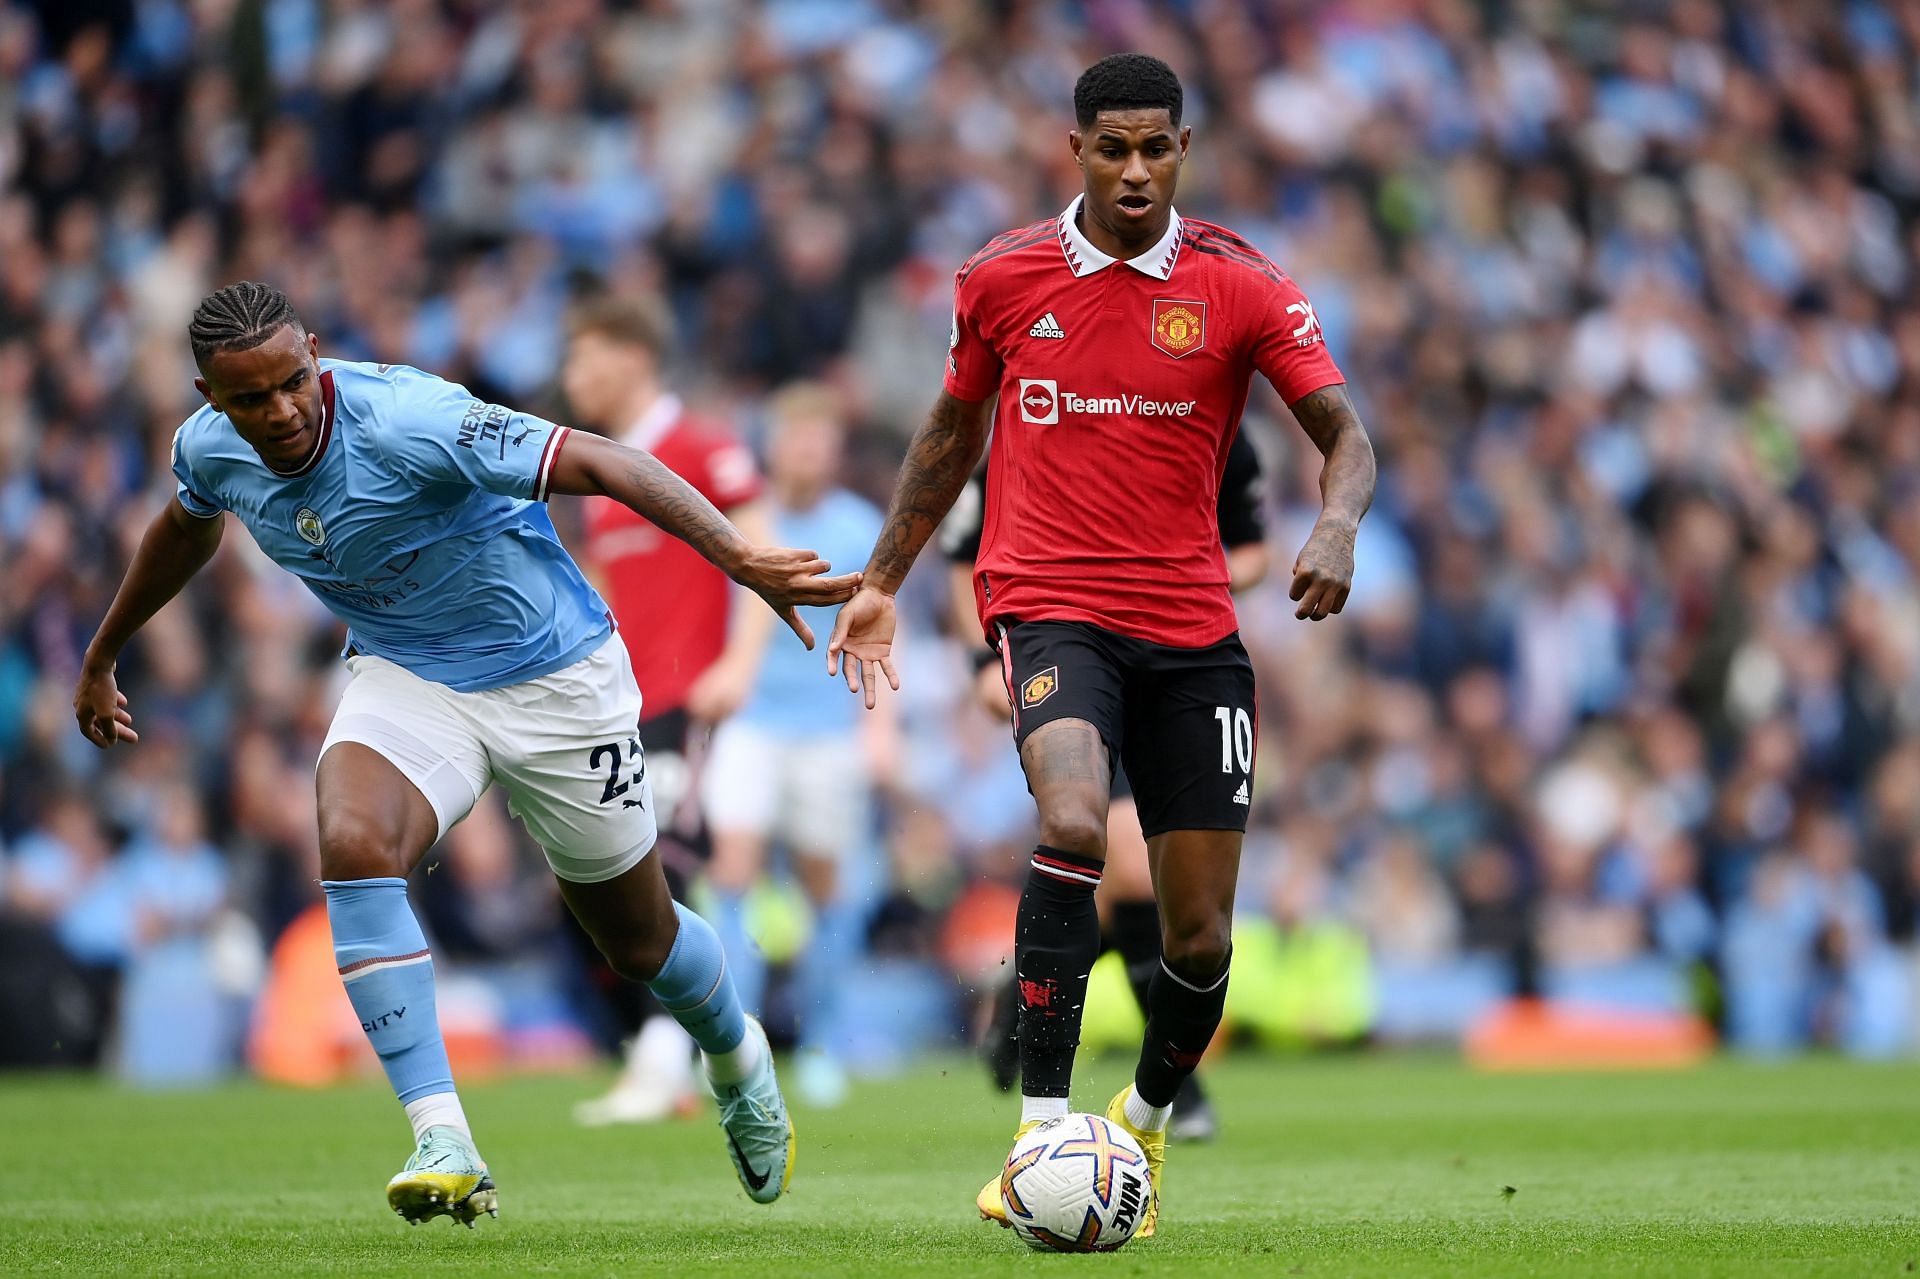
[
  {"x": 101, "y": 708},
  {"x": 787, "y": 578},
  {"x": 862, "y": 644}
]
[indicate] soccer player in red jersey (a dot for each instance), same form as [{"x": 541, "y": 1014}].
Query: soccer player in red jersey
[
  {"x": 1129, "y": 919},
  {"x": 692, "y": 672},
  {"x": 1119, "y": 340}
]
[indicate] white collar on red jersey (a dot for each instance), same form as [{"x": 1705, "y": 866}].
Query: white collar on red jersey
[
  {"x": 653, "y": 425},
  {"x": 1085, "y": 259}
]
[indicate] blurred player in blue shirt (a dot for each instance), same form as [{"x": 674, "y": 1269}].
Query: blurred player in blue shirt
[
  {"x": 479, "y": 654},
  {"x": 793, "y": 765}
]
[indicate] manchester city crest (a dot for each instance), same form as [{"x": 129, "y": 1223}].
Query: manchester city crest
[{"x": 307, "y": 524}]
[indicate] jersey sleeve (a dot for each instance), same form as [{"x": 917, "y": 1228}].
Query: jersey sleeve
[
  {"x": 1243, "y": 520},
  {"x": 1288, "y": 347},
  {"x": 973, "y": 366},
  {"x": 728, "y": 476},
  {"x": 195, "y": 497},
  {"x": 438, "y": 433}
]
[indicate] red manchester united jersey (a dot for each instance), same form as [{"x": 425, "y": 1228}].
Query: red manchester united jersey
[
  {"x": 671, "y": 604},
  {"x": 1121, "y": 385}
]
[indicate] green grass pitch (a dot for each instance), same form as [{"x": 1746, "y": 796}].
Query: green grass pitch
[{"x": 1354, "y": 1166}]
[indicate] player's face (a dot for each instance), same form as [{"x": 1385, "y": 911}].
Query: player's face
[
  {"x": 271, "y": 394},
  {"x": 1131, "y": 160},
  {"x": 599, "y": 377},
  {"x": 804, "y": 454}
]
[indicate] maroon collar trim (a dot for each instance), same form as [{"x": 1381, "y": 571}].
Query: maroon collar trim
[{"x": 326, "y": 431}]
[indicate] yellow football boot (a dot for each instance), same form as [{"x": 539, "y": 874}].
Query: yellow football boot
[
  {"x": 1153, "y": 1145},
  {"x": 992, "y": 1207}
]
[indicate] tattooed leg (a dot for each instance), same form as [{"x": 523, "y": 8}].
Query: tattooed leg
[{"x": 1069, "y": 775}]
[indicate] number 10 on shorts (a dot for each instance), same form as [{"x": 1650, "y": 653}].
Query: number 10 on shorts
[{"x": 1236, "y": 738}]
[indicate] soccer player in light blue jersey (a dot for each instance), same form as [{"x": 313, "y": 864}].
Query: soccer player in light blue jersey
[
  {"x": 795, "y": 764},
  {"x": 479, "y": 654}
]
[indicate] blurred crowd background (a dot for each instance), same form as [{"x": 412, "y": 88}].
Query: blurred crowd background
[{"x": 1625, "y": 707}]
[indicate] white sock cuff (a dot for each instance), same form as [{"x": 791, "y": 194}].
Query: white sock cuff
[
  {"x": 436, "y": 1110},
  {"x": 1145, "y": 1117},
  {"x": 1042, "y": 1108}
]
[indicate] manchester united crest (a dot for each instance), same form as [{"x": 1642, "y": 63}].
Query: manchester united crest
[
  {"x": 1179, "y": 328},
  {"x": 1039, "y": 687}
]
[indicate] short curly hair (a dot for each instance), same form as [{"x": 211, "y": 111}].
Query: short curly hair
[{"x": 1127, "y": 82}]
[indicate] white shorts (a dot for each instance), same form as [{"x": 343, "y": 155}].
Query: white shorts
[
  {"x": 563, "y": 746},
  {"x": 811, "y": 793}
]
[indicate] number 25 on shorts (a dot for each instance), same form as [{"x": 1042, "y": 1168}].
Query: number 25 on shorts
[{"x": 615, "y": 788}]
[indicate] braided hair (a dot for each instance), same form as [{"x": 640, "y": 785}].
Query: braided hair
[
  {"x": 1127, "y": 82},
  {"x": 238, "y": 317}
]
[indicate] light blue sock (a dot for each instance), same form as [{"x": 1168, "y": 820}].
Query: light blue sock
[
  {"x": 827, "y": 965},
  {"x": 745, "y": 961},
  {"x": 694, "y": 986},
  {"x": 389, "y": 977}
]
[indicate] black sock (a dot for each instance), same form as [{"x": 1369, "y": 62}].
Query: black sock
[
  {"x": 1000, "y": 1046},
  {"x": 1056, "y": 940},
  {"x": 1134, "y": 930},
  {"x": 1183, "y": 1011}
]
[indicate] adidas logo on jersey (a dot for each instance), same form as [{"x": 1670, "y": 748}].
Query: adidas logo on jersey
[
  {"x": 1046, "y": 327},
  {"x": 1240, "y": 796}
]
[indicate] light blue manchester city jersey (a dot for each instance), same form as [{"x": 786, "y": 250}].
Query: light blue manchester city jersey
[
  {"x": 420, "y": 523},
  {"x": 789, "y": 697}
]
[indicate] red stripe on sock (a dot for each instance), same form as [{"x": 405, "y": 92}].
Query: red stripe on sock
[
  {"x": 1043, "y": 861},
  {"x": 1075, "y": 880},
  {"x": 358, "y": 964}
]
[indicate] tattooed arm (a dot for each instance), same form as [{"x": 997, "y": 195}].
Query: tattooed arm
[
  {"x": 941, "y": 457},
  {"x": 943, "y": 454},
  {"x": 589, "y": 465},
  {"x": 1323, "y": 574}
]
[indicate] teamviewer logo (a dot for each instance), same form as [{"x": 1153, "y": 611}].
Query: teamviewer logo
[{"x": 1039, "y": 401}]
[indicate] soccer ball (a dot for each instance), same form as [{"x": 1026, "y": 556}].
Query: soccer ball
[{"x": 1075, "y": 1184}]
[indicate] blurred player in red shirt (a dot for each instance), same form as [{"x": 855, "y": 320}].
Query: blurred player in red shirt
[
  {"x": 1111, "y": 349},
  {"x": 694, "y": 655}
]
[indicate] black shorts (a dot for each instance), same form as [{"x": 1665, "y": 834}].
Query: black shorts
[
  {"x": 676, "y": 747},
  {"x": 1181, "y": 720}
]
